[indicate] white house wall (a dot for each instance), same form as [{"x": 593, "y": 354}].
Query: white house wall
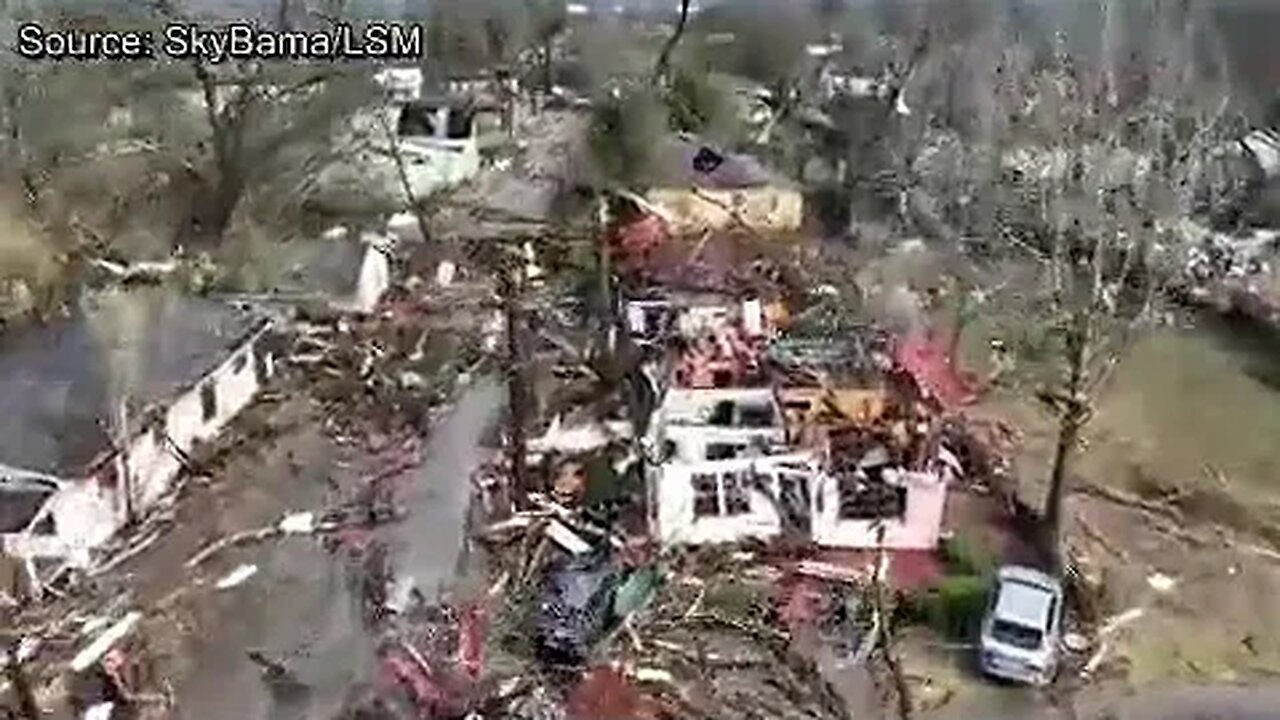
[
  {"x": 685, "y": 405},
  {"x": 88, "y": 513},
  {"x": 373, "y": 281},
  {"x": 692, "y": 441},
  {"x": 918, "y": 529},
  {"x": 677, "y": 524}
]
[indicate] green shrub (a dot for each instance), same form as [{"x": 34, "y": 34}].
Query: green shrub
[
  {"x": 966, "y": 555},
  {"x": 955, "y": 608}
]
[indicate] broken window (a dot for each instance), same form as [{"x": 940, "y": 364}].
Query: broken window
[
  {"x": 722, "y": 414},
  {"x": 208, "y": 401},
  {"x": 158, "y": 432},
  {"x": 723, "y": 451},
  {"x": 756, "y": 416},
  {"x": 706, "y": 496},
  {"x": 863, "y": 499},
  {"x": 459, "y": 124},
  {"x": 260, "y": 361},
  {"x": 736, "y": 499},
  {"x": 19, "y": 506},
  {"x": 416, "y": 121}
]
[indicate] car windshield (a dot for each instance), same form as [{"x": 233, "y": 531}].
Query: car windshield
[{"x": 1017, "y": 635}]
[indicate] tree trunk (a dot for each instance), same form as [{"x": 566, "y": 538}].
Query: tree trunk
[
  {"x": 961, "y": 320},
  {"x": 1072, "y": 417},
  {"x": 607, "y": 321},
  {"x": 548, "y": 75},
  {"x": 282, "y": 16},
  {"x": 28, "y": 708},
  {"x": 517, "y": 395},
  {"x": 214, "y": 208}
]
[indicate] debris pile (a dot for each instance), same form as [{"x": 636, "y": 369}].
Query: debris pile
[
  {"x": 386, "y": 371},
  {"x": 599, "y": 627}
]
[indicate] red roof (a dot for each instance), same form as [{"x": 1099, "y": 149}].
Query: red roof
[{"x": 928, "y": 362}]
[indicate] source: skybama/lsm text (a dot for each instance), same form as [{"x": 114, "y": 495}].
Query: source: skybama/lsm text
[{"x": 216, "y": 44}]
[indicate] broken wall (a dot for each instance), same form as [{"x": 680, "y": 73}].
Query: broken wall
[
  {"x": 695, "y": 406},
  {"x": 745, "y": 494},
  {"x": 918, "y": 529}
]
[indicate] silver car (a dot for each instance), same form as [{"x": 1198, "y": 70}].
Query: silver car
[{"x": 1022, "y": 628}]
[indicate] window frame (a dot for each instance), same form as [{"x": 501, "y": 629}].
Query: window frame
[
  {"x": 706, "y": 489},
  {"x": 208, "y": 401}
]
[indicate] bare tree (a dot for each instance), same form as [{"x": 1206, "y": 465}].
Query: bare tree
[
  {"x": 257, "y": 116},
  {"x": 661, "y": 68}
]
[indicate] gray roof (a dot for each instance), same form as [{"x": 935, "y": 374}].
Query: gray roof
[
  {"x": 57, "y": 382},
  {"x": 328, "y": 267}
]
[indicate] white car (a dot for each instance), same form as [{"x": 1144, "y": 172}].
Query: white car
[{"x": 1022, "y": 628}]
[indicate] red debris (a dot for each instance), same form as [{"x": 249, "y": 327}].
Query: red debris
[
  {"x": 606, "y": 694},
  {"x": 473, "y": 627},
  {"x": 800, "y": 601},
  {"x": 909, "y": 570},
  {"x": 634, "y": 242},
  {"x": 436, "y": 691},
  {"x": 928, "y": 362}
]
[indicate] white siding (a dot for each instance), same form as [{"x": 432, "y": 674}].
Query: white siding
[
  {"x": 678, "y": 524},
  {"x": 88, "y": 513},
  {"x": 918, "y": 529}
]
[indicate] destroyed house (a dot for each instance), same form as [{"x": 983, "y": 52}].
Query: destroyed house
[
  {"x": 702, "y": 188},
  {"x": 852, "y": 469},
  {"x": 693, "y": 425},
  {"x": 724, "y": 485},
  {"x": 435, "y": 144},
  {"x": 104, "y": 407}
]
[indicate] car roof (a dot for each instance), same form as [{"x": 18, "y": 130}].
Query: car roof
[
  {"x": 1030, "y": 576},
  {"x": 1023, "y": 602}
]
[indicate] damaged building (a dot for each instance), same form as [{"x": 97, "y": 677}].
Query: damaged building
[
  {"x": 105, "y": 407},
  {"x": 427, "y": 144},
  {"x": 747, "y": 447}
]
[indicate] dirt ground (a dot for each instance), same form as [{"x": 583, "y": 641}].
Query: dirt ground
[
  {"x": 1187, "y": 421},
  {"x": 259, "y": 484}
]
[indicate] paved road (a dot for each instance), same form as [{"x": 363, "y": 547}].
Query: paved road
[{"x": 300, "y": 602}]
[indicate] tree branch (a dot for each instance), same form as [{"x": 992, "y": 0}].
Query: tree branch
[{"x": 664, "y": 58}]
